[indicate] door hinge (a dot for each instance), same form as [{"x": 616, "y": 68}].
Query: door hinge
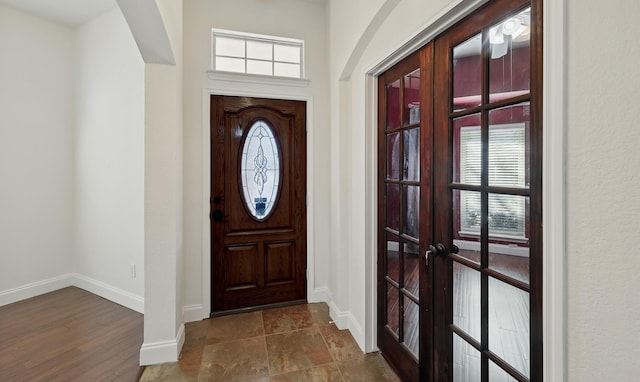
[{"x": 306, "y": 274}]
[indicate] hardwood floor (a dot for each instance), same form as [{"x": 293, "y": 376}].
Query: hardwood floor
[{"x": 69, "y": 335}]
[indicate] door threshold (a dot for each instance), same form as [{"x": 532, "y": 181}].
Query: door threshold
[{"x": 257, "y": 308}]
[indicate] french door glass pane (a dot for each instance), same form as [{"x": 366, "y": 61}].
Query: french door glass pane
[
  {"x": 467, "y": 73},
  {"x": 466, "y": 299},
  {"x": 411, "y": 268},
  {"x": 510, "y": 51},
  {"x": 393, "y": 309},
  {"x": 496, "y": 374},
  {"x": 411, "y": 326},
  {"x": 393, "y": 257},
  {"x": 507, "y": 216},
  {"x": 393, "y": 206},
  {"x": 466, "y": 361},
  {"x": 412, "y": 98},
  {"x": 509, "y": 324},
  {"x": 509, "y": 146},
  {"x": 393, "y": 156},
  {"x": 467, "y": 150},
  {"x": 411, "y": 211},
  {"x": 510, "y": 259},
  {"x": 411, "y": 155},
  {"x": 466, "y": 224},
  {"x": 393, "y": 105}
]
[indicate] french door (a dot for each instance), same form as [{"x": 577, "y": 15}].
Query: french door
[{"x": 477, "y": 252}]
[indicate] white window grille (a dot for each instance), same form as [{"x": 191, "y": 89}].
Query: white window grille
[
  {"x": 507, "y": 213},
  {"x": 250, "y": 53}
]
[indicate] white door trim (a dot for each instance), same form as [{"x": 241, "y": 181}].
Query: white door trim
[{"x": 241, "y": 85}]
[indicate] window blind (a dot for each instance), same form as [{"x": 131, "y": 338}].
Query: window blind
[{"x": 506, "y": 169}]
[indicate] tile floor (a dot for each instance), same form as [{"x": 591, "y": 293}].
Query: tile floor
[{"x": 296, "y": 343}]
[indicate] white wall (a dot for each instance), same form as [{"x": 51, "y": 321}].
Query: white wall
[
  {"x": 109, "y": 165},
  {"x": 36, "y": 150},
  {"x": 603, "y": 203},
  {"x": 285, "y": 18}
]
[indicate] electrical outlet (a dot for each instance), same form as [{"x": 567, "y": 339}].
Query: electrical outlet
[{"x": 132, "y": 271}]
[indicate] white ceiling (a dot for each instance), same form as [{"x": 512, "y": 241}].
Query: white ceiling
[{"x": 68, "y": 12}]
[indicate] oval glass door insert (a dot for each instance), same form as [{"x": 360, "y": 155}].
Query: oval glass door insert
[{"x": 260, "y": 170}]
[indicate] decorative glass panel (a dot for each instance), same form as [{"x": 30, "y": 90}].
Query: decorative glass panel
[{"x": 260, "y": 170}]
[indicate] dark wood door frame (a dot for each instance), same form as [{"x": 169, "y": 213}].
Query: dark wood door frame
[
  {"x": 439, "y": 347},
  {"x": 272, "y": 249}
]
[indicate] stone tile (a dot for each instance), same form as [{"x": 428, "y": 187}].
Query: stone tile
[
  {"x": 287, "y": 319},
  {"x": 195, "y": 333},
  {"x": 237, "y": 361},
  {"x": 234, "y": 327},
  {"x": 297, "y": 350},
  {"x": 369, "y": 368},
  {"x": 166, "y": 372},
  {"x": 320, "y": 313},
  {"x": 341, "y": 344},
  {"x": 324, "y": 373}
]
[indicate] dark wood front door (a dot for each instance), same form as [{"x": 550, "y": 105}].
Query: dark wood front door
[
  {"x": 460, "y": 202},
  {"x": 258, "y": 202}
]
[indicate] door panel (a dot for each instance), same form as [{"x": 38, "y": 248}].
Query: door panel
[
  {"x": 258, "y": 184},
  {"x": 460, "y": 214},
  {"x": 486, "y": 178},
  {"x": 401, "y": 204}
]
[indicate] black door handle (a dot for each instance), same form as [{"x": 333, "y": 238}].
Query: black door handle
[
  {"x": 441, "y": 249},
  {"x": 217, "y": 215}
]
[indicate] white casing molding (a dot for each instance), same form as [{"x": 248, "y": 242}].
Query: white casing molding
[{"x": 231, "y": 84}]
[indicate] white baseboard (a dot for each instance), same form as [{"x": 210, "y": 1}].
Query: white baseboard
[
  {"x": 322, "y": 294},
  {"x": 191, "y": 313},
  {"x": 163, "y": 351},
  {"x": 35, "y": 289},
  {"x": 111, "y": 293}
]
